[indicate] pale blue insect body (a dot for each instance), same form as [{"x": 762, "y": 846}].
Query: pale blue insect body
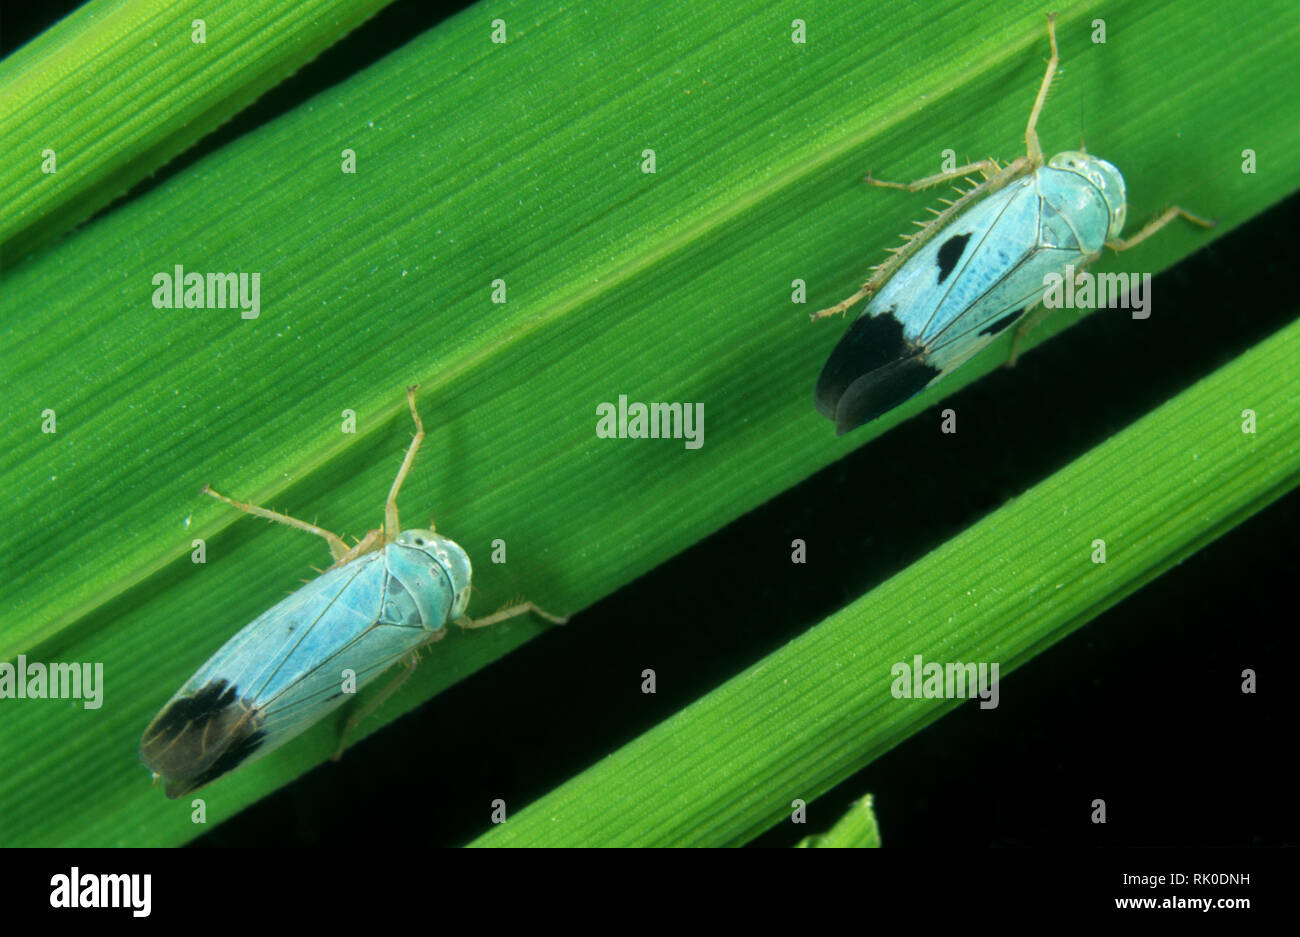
[
  {"x": 964, "y": 286},
  {"x": 381, "y": 601},
  {"x": 974, "y": 270},
  {"x": 285, "y": 670}
]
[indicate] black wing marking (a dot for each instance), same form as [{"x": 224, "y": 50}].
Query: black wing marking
[
  {"x": 993, "y": 328},
  {"x": 230, "y": 759},
  {"x": 869, "y": 343},
  {"x": 872, "y": 370},
  {"x": 950, "y": 252},
  {"x": 963, "y": 260},
  {"x": 193, "y": 735}
]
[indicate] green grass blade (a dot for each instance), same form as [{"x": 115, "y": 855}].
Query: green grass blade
[
  {"x": 810, "y": 715},
  {"x": 142, "y": 92},
  {"x": 857, "y": 829}
]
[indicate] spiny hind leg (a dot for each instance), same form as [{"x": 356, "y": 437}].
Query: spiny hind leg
[
  {"x": 378, "y": 699},
  {"x": 995, "y": 177},
  {"x": 1123, "y": 244},
  {"x": 391, "y": 528},
  {"x": 988, "y": 167},
  {"x": 338, "y": 549}
]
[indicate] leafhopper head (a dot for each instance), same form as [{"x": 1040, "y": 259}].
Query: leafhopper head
[
  {"x": 1104, "y": 176},
  {"x": 447, "y": 554}
]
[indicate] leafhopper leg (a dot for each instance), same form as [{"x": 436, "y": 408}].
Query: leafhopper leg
[
  {"x": 379, "y": 698},
  {"x": 1032, "y": 321},
  {"x": 1033, "y": 150},
  {"x": 986, "y": 167},
  {"x": 1116, "y": 244},
  {"x": 512, "y": 611},
  {"x": 995, "y": 177},
  {"x": 1123, "y": 244},
  {"x": 338, "y": 548},
  {"x": 391, "y": 528}
]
